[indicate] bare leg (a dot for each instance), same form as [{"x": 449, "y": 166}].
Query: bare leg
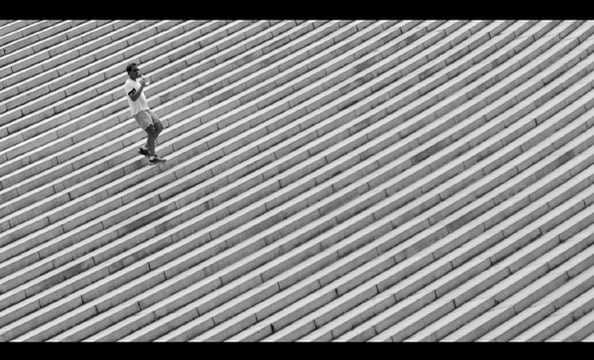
[
  {"x": 150, "y": 141},
  {"x": 157, "y": 123}
]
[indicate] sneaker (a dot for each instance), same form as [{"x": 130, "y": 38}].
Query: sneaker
[
  {"x": 156, "y": 159},
  {"x": 143, "y": 151}
]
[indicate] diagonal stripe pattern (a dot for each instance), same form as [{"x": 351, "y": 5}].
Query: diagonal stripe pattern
[{"x": 346, "y": 180}]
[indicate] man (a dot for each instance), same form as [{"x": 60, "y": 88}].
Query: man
[{"x": 146, "y": 119}]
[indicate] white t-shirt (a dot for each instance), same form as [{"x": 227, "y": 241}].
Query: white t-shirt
[{"x": 140, "y": 103}]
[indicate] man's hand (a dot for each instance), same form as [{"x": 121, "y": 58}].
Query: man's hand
[
  {"x": 144, "y": 81},
  {"x": 136, "y": 94}
]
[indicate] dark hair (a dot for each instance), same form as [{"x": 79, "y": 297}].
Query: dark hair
[{"x": 129, "y": 67}]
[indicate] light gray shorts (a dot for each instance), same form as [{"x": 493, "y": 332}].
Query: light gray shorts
[{"x": 144, "y": 118}]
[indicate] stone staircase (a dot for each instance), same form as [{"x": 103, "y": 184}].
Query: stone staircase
[{"x": 326, "y": 181}]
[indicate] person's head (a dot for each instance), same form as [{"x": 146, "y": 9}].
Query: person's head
[{"x": 133, "y": 71}]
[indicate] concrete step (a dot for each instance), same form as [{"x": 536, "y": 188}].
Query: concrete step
[
  {"x": 70, "y": 60},
  {"x": 25, "y": 36},
  {"x": 75, "y": 37},
  {"x": 571, "y": 322},
  {"x": 48, "y": 38},
  {"x": 500, "y": 266},
  {"x": 542, "y": 308},
  {"x": 589, "y": 338},
  {"x": 14, "y": 26},
  {"x": 544, "y": 284}
]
